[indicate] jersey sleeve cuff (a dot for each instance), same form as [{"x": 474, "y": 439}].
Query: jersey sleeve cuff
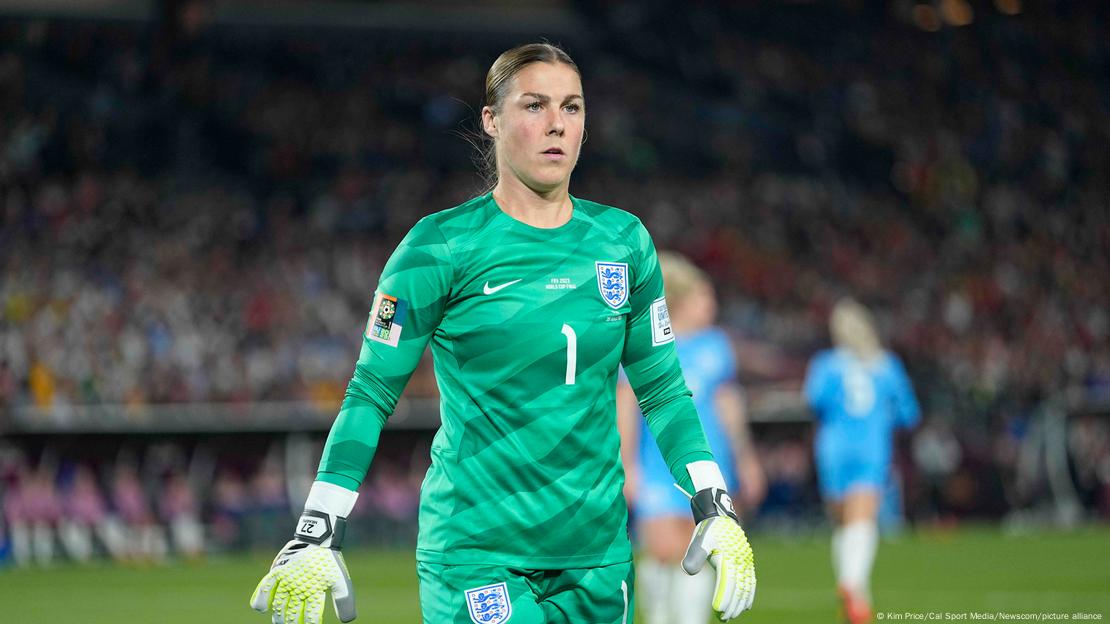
[
  {"x": 679, "y": 472},
  {"x": 340, "y": 479},
  {"x": 331, "y": 499}
]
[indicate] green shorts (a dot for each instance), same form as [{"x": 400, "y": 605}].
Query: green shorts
[{"x": 478, "y": 594}]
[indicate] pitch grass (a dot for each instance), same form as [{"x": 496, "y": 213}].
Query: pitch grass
[{"x": 926, "y": 572}]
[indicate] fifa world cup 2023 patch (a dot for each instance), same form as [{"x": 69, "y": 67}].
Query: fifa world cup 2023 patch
[{"x": 387, "y": 318}]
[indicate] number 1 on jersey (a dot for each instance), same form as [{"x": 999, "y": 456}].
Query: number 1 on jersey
[{"x": 572, "y": 352}]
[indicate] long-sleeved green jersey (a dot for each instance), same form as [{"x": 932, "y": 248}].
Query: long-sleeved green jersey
[{"x": 528, "y": 328}]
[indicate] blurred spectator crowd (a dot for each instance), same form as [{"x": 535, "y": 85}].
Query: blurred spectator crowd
[
  {"x": 150, "y": 503},
  {"x": 198, "y": 213}
]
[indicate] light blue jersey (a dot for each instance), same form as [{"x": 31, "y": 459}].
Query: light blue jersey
[
  {"x": 858, "y": 406},
  {"x": 708, "y": 363}
]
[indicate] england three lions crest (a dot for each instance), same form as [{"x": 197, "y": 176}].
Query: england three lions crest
[
  {"x": 489, "y": 604},
  {"x": 612, "y": 281}
]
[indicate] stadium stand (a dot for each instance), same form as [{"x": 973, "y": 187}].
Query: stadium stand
[{"x": 195, "y": 211}]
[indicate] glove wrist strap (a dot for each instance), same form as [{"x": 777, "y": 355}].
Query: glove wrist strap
[
  {"x": 321, "y": 529},
  {"x": 711, "y": 503},
  {"x": 324, "y": 520},
  {"x": 712, "y": 497}
]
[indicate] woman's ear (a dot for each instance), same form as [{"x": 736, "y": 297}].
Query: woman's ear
[{"x": 489, "y": 121}]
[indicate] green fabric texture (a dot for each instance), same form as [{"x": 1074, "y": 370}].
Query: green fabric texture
[
  {"x": 603, "y": 594},
  {"x": 526, "y": 464}
]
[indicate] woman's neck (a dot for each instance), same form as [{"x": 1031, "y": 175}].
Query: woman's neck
[{"x": 541, "y": 210}]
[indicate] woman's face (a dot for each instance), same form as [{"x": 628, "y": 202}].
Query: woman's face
[
  {"x": 699, "y": 310},
  {"x": 540, "y": 126}
]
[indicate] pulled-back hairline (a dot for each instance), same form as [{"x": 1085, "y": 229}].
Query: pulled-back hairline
[
  {"x": 512, "y": 62},
  {"x": 498, "y": 79}
]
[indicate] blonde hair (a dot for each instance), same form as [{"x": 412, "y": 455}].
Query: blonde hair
[
  {"x": 853, "y": 328},
  {"x": 680, "y": 277},
  {"x": 498, "y": 78}
]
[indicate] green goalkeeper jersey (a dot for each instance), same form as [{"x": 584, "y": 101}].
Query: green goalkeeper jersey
[{"x": 528, "y": 327}]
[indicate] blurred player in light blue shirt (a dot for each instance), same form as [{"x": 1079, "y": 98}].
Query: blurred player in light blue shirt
[
  {"x": 667, "y": 594},
  {"x": 860, "y": 395}
]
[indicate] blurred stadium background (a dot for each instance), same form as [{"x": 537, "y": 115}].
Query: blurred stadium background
[{"x": 196, "y": 198}]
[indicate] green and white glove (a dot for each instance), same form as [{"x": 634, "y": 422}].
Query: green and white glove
[
  {"x": 719, "y": 539},
  {"x": 310, "y": 564}
]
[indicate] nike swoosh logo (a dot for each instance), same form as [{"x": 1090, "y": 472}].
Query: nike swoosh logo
[{"x": 487, "y": 290}]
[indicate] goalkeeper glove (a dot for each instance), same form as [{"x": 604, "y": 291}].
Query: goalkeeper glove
[
  {"x": 719, "y": 539},
  {"x": 311, "y": 564}
]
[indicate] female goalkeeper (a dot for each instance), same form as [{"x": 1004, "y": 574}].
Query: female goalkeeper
[{"x": 531, "y": 299}]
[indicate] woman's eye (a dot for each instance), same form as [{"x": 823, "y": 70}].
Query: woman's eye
[
  {"x": 572, "y": 108},
  {"x": 534, "y": 106}
]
